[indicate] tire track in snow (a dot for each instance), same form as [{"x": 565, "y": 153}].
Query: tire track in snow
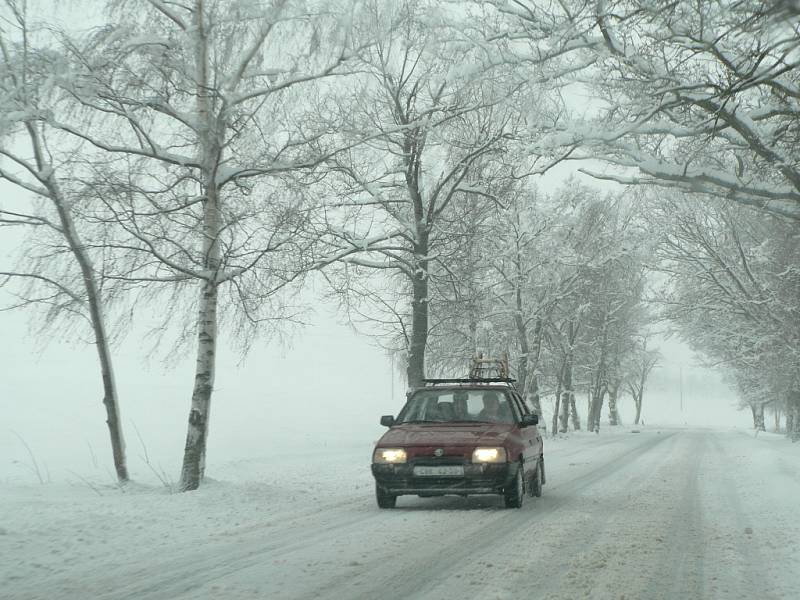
[
  {"x": 425, "y": 572},
  {"x": 682, "y": 574},
  {"x": 744, "y": 563},
  {"x": 608, "y": 550},
  {"x": 174, "y": 578}
]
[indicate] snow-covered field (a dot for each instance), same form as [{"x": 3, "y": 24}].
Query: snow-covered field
[{"x": 665, "y": 513}]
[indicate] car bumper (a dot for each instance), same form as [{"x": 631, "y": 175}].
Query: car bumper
[{"x": 477, "y": 479}]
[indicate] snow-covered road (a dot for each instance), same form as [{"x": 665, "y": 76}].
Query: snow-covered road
[{"x": 657, "y": 514}]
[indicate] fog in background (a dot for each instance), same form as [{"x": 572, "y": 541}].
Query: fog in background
[
  {"x": 327, "y": 386},
  {"x": 326, "y": 389}
]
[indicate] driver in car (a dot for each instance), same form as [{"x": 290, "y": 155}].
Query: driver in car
[{"x": 491, "y": 408}]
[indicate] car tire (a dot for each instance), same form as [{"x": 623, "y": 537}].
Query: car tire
[
  {"x": 514, "y": 494},
  {"x": 535, "y": 489},
  {"x": 541, "y": 462},
  {"x": 384, "y": 499}
]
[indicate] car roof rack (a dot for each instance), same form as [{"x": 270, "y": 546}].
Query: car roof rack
[
  {"x": 482, "y": 371},
  {"x": 471, "y": 380},
  {"x": 489, "y": 368}
]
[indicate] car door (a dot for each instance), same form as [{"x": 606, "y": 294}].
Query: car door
[{"x": 530, "y": 437}]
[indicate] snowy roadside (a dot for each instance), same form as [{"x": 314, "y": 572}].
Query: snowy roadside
[
  {"x": 52, "y": 528},
  {"x": 85, "y": 524},
  {"x": 296, "y": 524}
]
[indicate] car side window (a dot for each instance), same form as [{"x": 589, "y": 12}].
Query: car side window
[
  {"x": 523, "y": 406},
  {"x": 515, "y": 407}
]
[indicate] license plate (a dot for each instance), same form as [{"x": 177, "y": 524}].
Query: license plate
[{"x": 443, "y": 471}]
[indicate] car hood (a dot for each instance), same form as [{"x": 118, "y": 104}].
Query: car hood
[{"x": 417, "y": 434}]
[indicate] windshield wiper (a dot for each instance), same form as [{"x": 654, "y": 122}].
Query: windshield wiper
[{"x": 457, "y": 421}]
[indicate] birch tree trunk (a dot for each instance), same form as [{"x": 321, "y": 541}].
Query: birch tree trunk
[
  {"x": 25, "y": 92},
  {"x": 210, "y": 152},
  {"x": 197, "y": 432},
  {"x": 93, "y": 300}
]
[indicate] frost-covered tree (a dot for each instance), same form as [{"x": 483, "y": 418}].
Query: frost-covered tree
[
  {"x": 698, "y": 96},
  {"x": 58, "y": 268},
  {"x": 560, "y": 290},
  {"x": 526, "y": 271},
  {"x": 614, "y": 307},
  {"x": 735, "y": 289},
  {"x": 498, "y": 290},
  {"x": 467, "y": 312},
  {"x": 637, "y": 369},
  {"x": 433, "y": 116},
  {"x": 198, "y": 115}
]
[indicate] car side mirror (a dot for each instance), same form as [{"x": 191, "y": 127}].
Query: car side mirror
[
  {"x": 529, "y": 420},
  {"x": 387, "y": 420}
]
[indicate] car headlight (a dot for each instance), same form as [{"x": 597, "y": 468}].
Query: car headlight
[
  {"x": 489, "y": 455},
  {"x": 391, "y": 456}
]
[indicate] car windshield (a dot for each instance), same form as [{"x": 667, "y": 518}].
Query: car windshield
[{"x": 451, "y": 406}]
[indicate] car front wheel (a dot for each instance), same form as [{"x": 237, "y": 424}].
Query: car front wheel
[
  {"x": 384, "y": 499},
  {"x": 537, "y": 480},
  {"x": 514, "y": 493}
]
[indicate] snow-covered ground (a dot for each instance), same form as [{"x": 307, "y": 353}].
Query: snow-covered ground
[{"x": 665, "y": 513}]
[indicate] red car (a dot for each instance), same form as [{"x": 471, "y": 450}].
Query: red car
[{"x": 460, "y": 436}]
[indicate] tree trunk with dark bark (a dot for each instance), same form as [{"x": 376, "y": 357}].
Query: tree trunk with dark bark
[
  {"x": 600, "y": 386},
  {"x": 522, "y": 338},
  {"x": 557, "y": 408},
  {"x": 757, "y": 409},
  {"x": 536, "y": 401},
  {"x": 419, "y": 333},
  {"x": 567, "y": 397},
  {"x": 613, "y": 412},
  {"x": 415, "y": 371},
  {"x": 598, "y": 397},
  {"x": 573, "y": 411},
  {"x": 529, "y": 356},
  {"x": 637, "y": 398},
  {"x": 793, "y": 416}
]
